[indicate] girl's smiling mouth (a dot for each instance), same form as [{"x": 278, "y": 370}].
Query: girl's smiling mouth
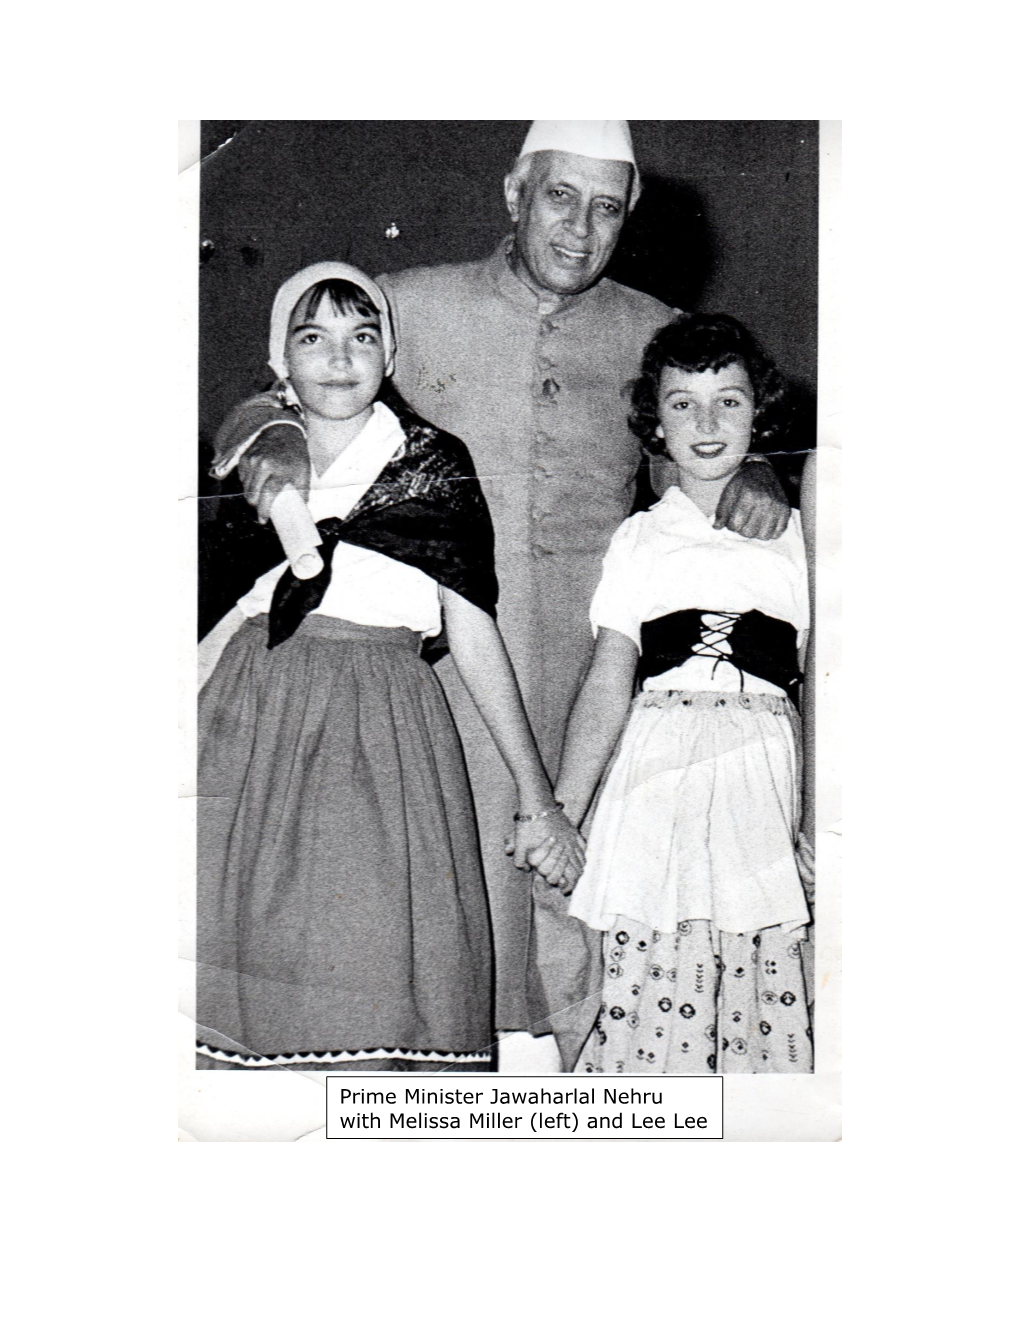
[{"x": 709, "y": 448}]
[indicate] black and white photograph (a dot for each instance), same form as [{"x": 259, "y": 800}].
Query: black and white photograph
[
  {"x": 508, "y": 680},
  {"x": 520, "y": 630}
]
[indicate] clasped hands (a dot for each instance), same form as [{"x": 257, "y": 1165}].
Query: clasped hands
[{"x": 551, "y": 846}]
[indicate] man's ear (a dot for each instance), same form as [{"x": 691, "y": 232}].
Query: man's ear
[
  {"x": 634, "y": 190},
  {"x": 512, "y": 193}
]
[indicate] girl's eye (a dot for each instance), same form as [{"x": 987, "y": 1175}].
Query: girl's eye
[
  {"x": 310, "y": 338},
  {"x": 731, "y": 403},
  {"x": 681, "y": 404},
  {"x": 366, "y": 337}
]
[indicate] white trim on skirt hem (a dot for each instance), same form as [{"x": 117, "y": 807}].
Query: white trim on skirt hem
[{"x": 338, "y": 1056}]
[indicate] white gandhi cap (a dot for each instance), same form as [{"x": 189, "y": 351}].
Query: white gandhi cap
[{"x": 602, "y": 139}]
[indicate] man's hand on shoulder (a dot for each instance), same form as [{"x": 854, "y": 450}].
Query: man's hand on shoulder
[
  {"x": 241, "y": 425},
  {"x": 278, "y": 458},
  {"x": 754, "y": 503},
  {"x": 266, "y": 443}
]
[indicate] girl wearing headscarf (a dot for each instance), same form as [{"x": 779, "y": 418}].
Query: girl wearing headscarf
[{"x": 342, "y": 912}]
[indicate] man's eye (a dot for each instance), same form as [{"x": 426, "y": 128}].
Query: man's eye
[
  {"x": 731, "y": 403},
  {"x": 557, "y": 193},
  {"x": 611, "y": 208}
]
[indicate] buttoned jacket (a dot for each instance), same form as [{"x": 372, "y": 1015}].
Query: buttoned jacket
[{"x": 538, "y": 392}]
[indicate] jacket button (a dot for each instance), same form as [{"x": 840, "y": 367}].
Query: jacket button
[{"x": 550, "y": 388}]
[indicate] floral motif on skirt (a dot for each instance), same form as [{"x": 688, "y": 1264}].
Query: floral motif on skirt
[{"x": 698, "y": 1000}]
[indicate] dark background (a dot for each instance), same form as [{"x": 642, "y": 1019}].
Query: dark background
[{"x": 727, "y": 221}]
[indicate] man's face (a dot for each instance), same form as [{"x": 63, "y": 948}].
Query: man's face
[{"x": 568, "y": 215}]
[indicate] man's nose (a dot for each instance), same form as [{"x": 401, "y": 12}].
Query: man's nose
[{"x": 579, "y": 220}]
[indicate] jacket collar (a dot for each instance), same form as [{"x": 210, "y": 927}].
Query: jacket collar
[{"x": 515, "y": 291}]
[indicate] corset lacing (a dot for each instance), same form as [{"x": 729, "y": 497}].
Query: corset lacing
[{"x": 715, "y": 631}]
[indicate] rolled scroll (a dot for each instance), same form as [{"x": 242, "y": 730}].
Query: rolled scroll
[{"x": 298, "y": 533}]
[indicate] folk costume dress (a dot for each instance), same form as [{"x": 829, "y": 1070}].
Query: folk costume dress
[
  {"x": 343, "y": 919},
  {"x": 536, "y": 390},
  {"x": 691, "y": 871}
]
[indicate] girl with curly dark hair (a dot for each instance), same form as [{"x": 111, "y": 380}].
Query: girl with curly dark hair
[
  {"x": 691, "y": 867},
  {"x": 701, "y": 342}
]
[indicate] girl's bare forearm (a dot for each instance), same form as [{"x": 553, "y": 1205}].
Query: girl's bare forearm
[
  {"x": 596, "y": 723},
  {"x": 482, "y": 662}
]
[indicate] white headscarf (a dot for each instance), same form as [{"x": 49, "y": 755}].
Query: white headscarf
[{"x": 293, "y": 290}]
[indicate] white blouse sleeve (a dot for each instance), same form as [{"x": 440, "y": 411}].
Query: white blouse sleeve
[{"x": 618, "y": 602}]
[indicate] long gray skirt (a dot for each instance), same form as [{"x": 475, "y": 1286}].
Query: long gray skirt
[{"x": 342, "y": 911}]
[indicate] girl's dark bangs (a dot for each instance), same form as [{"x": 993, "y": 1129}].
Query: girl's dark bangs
[
  {"x": 706, "y": 360},
  {"x": 345, "y": 297}
]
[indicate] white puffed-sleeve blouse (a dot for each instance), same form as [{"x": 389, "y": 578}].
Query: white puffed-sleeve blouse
[
  {"x": 366, "y": 587},
  {"x": 672, "y": 558}
]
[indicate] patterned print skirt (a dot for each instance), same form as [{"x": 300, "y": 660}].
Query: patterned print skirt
[
  {"x": 342, "y": 911},
  {"x": 699, "y": 1000}
]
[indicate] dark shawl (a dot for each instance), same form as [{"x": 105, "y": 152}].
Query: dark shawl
[{"x": 425, "y": 509}]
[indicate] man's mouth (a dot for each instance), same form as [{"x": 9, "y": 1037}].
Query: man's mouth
[
  {"x": 338, "y": 384},
  {"x": 571, "y": 255},
  {"x": 709, "y": 448}
]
